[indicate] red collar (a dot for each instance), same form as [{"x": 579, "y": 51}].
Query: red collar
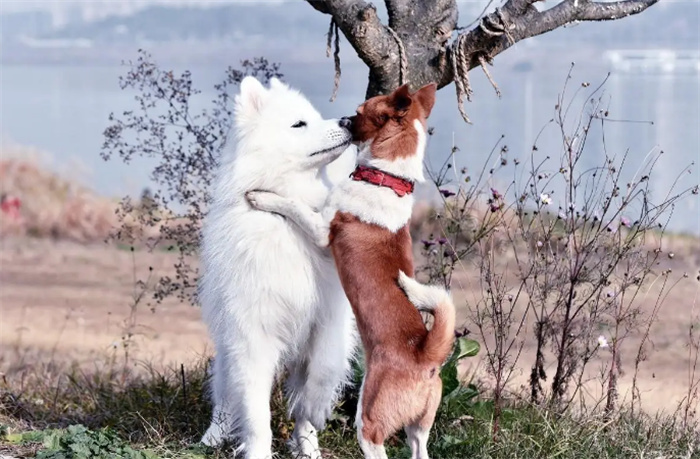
[{"x": 374, "y": 176}]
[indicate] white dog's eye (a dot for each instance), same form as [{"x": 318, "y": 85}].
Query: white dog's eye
[{"x": 299, "y": 124}]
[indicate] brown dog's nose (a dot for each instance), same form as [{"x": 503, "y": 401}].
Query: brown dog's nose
[{"x": 345, "y": 122}]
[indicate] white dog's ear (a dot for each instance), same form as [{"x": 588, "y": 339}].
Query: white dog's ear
[
  {"x": 276, "y": 83},
  {"x": 252, "y": 97}
]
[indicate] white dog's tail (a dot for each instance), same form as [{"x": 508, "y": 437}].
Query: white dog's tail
[{"x": 440, "y": 339}]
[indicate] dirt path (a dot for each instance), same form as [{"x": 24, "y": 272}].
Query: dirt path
[{"x": 74, "y": 301}]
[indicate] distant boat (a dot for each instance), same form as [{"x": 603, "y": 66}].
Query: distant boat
[
  {"x": 55, "y": 43},
  {"x": 654, "y": 60}
]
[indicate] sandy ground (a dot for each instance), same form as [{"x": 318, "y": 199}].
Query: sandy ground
[{"x": 73, "y": 302}]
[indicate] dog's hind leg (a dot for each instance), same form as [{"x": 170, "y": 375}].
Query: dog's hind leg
[
  {"x": 246, "y": 370},
  {"x": 304, "y": 443},
  {"x": 221, "y": 426},
  {"x": 417, "y": 438},
  {"x": 417, "y": 433},
  {"x": 314, "y": 385},
  {"x": 372, "y": 448}
]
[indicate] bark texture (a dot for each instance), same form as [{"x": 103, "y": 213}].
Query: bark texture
[{"x": 424, "y": 32}]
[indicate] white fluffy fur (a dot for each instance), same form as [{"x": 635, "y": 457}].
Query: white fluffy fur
[
  {"x": 423, "y": 297},
  {"x": 271, "y": 297}
]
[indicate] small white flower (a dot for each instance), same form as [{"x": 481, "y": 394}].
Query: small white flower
[
  {"x": 545, "y": 199},
  {"x": 539, "y": 244},
  {"x": 602, "y": 342}
]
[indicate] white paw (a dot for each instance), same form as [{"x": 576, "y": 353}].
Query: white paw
[
  {"x": 303, "y": 450},
  {"x": 214, "y": 436},
  {"x": 323, "y": 241},
  {"x": 304, "y": 441},
  {"x": 262, "y": 200},
  {"x": 253, "y": 198}
]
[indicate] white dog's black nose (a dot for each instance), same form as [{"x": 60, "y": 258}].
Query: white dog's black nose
[{"x": 345, "y": 122}]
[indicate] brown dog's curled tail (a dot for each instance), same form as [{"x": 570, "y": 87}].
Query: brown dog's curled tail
[{"x": 440, "y": 339}]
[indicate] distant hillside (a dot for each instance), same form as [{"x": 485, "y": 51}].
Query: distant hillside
[{"x": 283, "y": 24}]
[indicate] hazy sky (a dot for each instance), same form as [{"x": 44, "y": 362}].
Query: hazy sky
[
  {"x": 52, "y": 5},
  {"x": 105, "y": 7}
]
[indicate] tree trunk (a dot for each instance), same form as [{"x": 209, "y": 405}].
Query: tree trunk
[{"x": 418, "y": 37}]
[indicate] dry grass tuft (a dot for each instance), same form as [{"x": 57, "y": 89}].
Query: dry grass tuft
[{"x": 49, "y": 205}]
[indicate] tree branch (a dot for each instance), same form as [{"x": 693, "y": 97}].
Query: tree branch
[
  {"x": 371, "y": 40},
  {"x": 519, "y": 19},
  {"x": 423, "y": 28},
  {"x": 584, "y": 10},
  {"x": 612, "y": 10},
  {"x": 320, "y": 5}
]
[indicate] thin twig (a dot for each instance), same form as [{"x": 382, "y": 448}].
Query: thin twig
[{"x": 184, "y": 383}]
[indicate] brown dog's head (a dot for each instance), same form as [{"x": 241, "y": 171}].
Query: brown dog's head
[{"x": 388, "y": 122}]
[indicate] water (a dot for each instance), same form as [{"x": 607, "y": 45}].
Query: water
[{"x": 63, "y": 110}]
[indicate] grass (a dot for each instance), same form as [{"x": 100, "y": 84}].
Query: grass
[{"x": 139, "y": 412}]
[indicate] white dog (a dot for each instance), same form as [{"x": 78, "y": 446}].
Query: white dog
[{"x": 271, "y": 298}]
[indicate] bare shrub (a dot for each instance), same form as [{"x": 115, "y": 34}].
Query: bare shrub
[
  {"x": 689, "y": 405},
  {"x": 186, "y": 146},
  {"x": 564, "y": 249}
]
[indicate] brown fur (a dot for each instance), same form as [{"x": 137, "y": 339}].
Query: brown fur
[
  {"x": 388, "y": 121},
  {"x": 400, "y": 387},
  {"x": 402, "y": 384}
]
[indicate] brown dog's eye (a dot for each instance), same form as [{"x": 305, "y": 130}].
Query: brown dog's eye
[{"x": 383, "y": 118}]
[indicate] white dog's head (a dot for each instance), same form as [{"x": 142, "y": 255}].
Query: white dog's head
[{"x": 281, "y": 124}]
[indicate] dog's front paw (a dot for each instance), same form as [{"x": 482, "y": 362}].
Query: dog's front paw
[
  {"x": 263, "y": 200},
  {"x": 253, "y": 198}
]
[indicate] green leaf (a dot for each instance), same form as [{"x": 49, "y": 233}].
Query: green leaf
[
  {"x": 81, "y": 450},
  {"x": 450, "y": 381},
  {"x": 15, "y": 438},
  {"x": 450, "y": 377},
  {"x": 467, "y": 348},
  {"x": 52, "y": 441},
  {"x": 451, "y": 440},
  {"x": 470, "y": 392},
  {"x": 27, "y": 437}
]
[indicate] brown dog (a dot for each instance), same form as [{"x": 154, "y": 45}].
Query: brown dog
[{"x": 365, "y": 222}]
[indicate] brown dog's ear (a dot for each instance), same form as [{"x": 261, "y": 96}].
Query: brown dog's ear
[
  {"x": 401, "y": 100},
  {"x": 426, "y": 97}
]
